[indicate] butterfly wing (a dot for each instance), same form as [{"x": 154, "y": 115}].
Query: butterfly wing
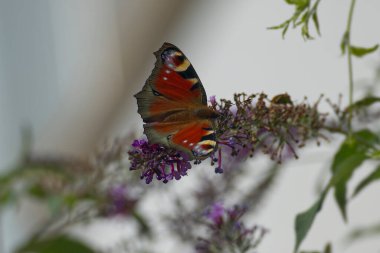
[
  {"x": 196, "y": 138},
  {"x": 173, "y": 104},
  {"x": 173, "y": 86}
]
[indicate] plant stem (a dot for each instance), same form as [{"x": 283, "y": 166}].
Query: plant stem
[
  {"x": 349, "y": 58},
  {"x": 2, "y": 241}
]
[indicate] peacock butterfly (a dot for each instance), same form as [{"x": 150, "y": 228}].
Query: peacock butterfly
[{"x": 173, "y": 105}]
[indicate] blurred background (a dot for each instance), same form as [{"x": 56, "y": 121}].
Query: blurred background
[{"x": 69, "y": 69}]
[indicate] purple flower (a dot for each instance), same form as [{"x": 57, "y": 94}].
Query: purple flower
[
  {"x": 118, "y": 201},
  {"x": 212, "y": 100},
  {"x": 215, "y": 213},
  {"x": 276, "y": 127},
  {"x": 245, "y": 125},
  {"x": 228, "y": 231},
  {"x": 138, "y": 143},
  {"x": 157, "y": 161}
]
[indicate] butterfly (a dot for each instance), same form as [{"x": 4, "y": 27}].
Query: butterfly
[{"x": 173, "y": 106}]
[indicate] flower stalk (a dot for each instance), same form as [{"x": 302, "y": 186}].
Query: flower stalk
[{"x": 349, "y": 60}]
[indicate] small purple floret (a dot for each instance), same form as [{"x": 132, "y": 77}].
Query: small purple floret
[
  {"x": 218, "y": 170},
  {"x": 120, "y": 201},
  {"x": 215, "y": 213}
]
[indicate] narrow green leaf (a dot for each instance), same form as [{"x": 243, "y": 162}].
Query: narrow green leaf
[
  {"x": 280, "y": 26},
  {"x": 362, "y": 51},
  {"x": 367, "y": 139},
  {"x": 316, "y": 23},
  {"x": 348, "y": 166},
  {"x": 290, "y": 1},
  {"x": 285, "y": 30},
  {"x": 305, "y": 219},
  {"x": 296, "y": 16},
  {"x": 364, "y": 102},
  {"x": 143, "y": 223},
  {"x": 344, "y": 42},
  {"x": 305, "y": 32},
  {"x": 361, "y": 233},
  {"x": 328, "y": 248},
  {"x": 58, "y": 244},
  {"x": 371, "y": 178},
  {"x": 304, "y": 18},
  {"x": 300, "y": 3},
  {"x": 351, "y": 154}
]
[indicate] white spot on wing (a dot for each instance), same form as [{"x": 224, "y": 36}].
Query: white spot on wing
[{"x": 165, "y": 78}]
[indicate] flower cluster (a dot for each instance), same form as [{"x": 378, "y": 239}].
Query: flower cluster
[
  {"x": 275, "y": 126},
  {"x": 249, "y": 123},
  {"x": 227, "y": 233},
  {"x": 119, "y": 201},
  {"x": 158, "y": 161}
]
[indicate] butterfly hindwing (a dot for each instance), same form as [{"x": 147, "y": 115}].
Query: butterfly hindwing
[{"x": 196, "y": 138}]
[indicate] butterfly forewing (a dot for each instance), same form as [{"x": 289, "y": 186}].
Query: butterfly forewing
[{"x": 173, "y": 85}]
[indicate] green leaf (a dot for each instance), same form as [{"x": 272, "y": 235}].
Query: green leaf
[
  {"x": 299, "y": 3},
  {"x": 301, "y": 17},
  {"x": 144, "y": 225},
  {"x": 364, "y": 102},
  {"x": 344, "y": 42},
  {"x": 280, "y": 26},
  {"x": 305, "y": 32},
  {"x": 316, "y": 23},
  {"x": 374, "y": 176},
  {"x": 305, "y": 219},
  {"x": 37, "y": 191},
  {"x": 351, "y": 154},
  {"x": 328, "y": 248},
  {"x": 361, "y": 233},
  {"x": 285, "y": 30},
  {"x": 348, "y": 166},
  {"x": 58, "y": 244},
  {"x": 362, "y": 51}
]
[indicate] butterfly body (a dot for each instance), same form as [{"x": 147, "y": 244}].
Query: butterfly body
[{"x": 173, "y": 105}]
